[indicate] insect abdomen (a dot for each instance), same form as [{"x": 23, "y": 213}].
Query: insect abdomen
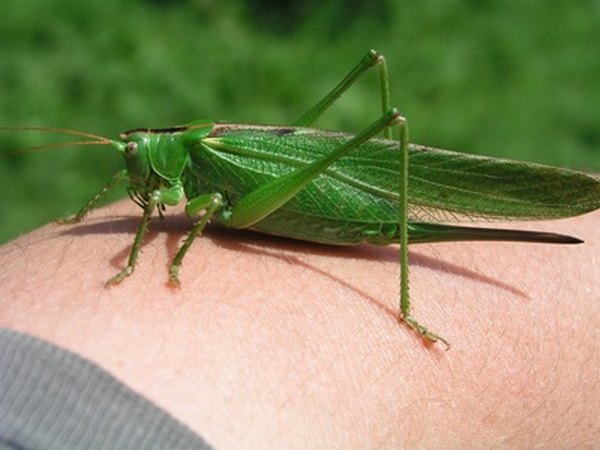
[{"x": 326, "y": 231}]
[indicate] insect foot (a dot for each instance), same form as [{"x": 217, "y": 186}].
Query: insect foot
[
  {"x": 423, "y": 332},
  {"x": 68, "y": 220},
  {"x": 174, "y": 277},
  {"x": 119, "y": 277}
]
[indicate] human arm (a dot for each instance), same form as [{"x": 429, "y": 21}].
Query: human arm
[{"x": 272, "y": 343}]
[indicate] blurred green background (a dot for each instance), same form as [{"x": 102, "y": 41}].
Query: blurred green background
[{"x": 514, "y": 79}]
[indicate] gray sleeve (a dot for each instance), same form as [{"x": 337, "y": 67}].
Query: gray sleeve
[{"x": 53, "y": 399}]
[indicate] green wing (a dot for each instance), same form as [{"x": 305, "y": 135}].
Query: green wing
[
  {"x": 450, "y": 186},
  {"x": 444, "y": 186}
]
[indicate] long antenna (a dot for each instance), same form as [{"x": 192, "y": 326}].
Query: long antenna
[
  {"x": 52, "y": 145},
  {"x": 57, "y": 130}
]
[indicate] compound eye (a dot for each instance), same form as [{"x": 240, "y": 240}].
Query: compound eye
[{"x": 131, "y": 149}]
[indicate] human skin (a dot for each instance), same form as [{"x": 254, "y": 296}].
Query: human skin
[{"x": 272, "y": 343}]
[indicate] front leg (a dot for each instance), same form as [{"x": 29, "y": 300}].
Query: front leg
[
  {"x": 135, "y": 249},
  {"x": 95, "y": 200},
  {"x": 171, "y": 195}
]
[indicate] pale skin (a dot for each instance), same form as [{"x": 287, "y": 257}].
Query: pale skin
[{"x": 273, "y": 343}]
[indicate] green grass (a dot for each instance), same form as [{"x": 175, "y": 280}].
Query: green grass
[{"x": 506, "y": 78}]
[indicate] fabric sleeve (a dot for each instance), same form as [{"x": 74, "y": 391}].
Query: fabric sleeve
[{"x": 51, "y": 398}]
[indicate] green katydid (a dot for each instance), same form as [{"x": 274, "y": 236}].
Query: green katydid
[{"x": 336, "y": 188}]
